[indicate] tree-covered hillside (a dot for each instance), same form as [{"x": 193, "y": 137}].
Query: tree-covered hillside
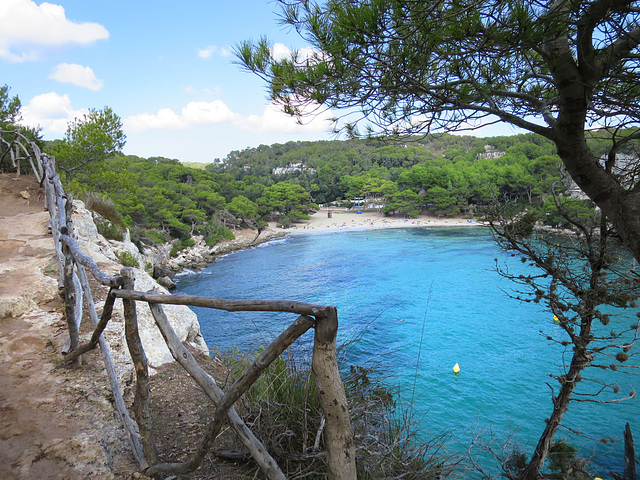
[
  {"x": 160, "y": 199},
  {"x": 445, "y": 174}
]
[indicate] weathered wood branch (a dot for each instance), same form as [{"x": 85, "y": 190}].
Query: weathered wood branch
[
  {"x": 107, "y": 311},
  {"x": 70, "y": 302},
  {"x": 180, "y": 353},
  {"x": 241, "y": 385},
  {"x": 301, "y": 308},
  {"x": 50, "y": 196},
  {"x": 21, "y": 142},
  {"x": 121, "y": 408},
  {"x": 136, "y": 350},
  {"x": 29, "y": 156},
  {"x": 77, "y": 311},
  {"x": 341, "y": 455},
  {"x": 81, "y": 258},
  {"x": 62, "y": 222},
  {"x": 76, "y": 283}
]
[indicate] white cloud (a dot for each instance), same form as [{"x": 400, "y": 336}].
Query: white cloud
[
  {"x": 211, "y": 50},
  {"x": 28, "y": 29},
  {"x": 273, "y": 119},
  {"x": 76, "y": 75},
  {"x": 50, "y": 111},
  {"x": 280, "y": 51},
  {"x": 194, "y": 113}
]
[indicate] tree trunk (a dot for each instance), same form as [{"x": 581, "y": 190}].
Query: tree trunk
[
  {"x": 575, "y": 84},
  {"x": 621, "y": 206},
  {"x": 579, "y": 362}
]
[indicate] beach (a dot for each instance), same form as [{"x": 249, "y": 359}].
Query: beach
[{"x": 340, "y": 219}]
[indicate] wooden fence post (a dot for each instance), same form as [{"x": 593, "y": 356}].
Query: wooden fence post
[
  {"x": 50, "y": 196},
  {"x": 72, "y": 289},
  {"x": 241, "y": 385},
  {"x": 70, "y": 302},
  {"x": 341, "y": 456},
  {"x": 141, "y": 399},
  {"x": 267, "y": 464}
]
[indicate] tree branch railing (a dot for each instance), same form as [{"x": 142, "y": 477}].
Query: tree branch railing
[{"x": 75, "y": 285}]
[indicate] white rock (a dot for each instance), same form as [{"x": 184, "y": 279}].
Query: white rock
[{"x": 183, "y": 320}]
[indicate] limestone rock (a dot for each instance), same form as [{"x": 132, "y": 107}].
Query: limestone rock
[
  {"x": 183, "y": 320},
  {"x": 167, "y": 283}
]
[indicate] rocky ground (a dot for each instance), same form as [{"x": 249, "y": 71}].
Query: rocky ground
[{"x": 57, "y": 422}]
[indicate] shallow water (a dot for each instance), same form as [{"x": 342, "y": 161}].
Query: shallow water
[{"x": 419, "y": 301}]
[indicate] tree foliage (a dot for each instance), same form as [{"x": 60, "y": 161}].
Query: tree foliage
[
  {"x": 12, "y": 156},
  {"x": 400, "y": 173},
  {"x": 88, "y": 142},
  {"x": 9, "y": 108},
  {"x": 586, "y": 282},
  {"x": 556, "y": 69}
]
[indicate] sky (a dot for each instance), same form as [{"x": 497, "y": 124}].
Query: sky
[{"x": 166, "y": 69}]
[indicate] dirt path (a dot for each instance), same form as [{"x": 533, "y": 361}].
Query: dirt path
[{"x": 55, "y": 422}]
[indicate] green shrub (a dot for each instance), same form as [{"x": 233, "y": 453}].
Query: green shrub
[
  {"x": 156, "y": 236},
  {"x": 283, "y": 410},
  {"x": 298, "y": 216},
  {"x": 179, "y": 245},
  {"x": 127, "y": 259},
  {"x": 109, "y": 230},
  {"x": 214, "y": 232},
  {"x": 284, "y": 222},
  {"x": 104, "y": 207},
  {"x": 564, "y": 461}
]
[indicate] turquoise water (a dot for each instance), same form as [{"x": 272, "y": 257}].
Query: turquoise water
[{"x": 431, "y": 294}]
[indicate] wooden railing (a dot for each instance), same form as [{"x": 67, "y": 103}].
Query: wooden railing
[{"x": 74, "y": 280}]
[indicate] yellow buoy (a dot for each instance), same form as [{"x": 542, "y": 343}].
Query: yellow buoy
[
  {"x": 456, "y": 368},
  {"x": 556, "y": 319}
]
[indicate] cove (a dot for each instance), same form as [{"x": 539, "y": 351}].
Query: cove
[{"x": 427, "y": 293}]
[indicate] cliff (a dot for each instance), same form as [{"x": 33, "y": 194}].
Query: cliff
[{"x": 182, "y": 319}]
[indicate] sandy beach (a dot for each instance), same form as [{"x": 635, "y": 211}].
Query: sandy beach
[{"x": 341, "y": 219}]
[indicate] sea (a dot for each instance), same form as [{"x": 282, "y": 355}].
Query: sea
[{"x": 412, "y": 304}]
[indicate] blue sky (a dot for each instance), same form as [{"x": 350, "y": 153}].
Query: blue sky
[{"x": 165, "y": 68}]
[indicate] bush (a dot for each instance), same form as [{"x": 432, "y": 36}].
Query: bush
[
  {"x": 156, "y": 236},
  {"x": 109, "y": 230},
  {"x": 214, "y": 232},
  {"x": 283, "y": 410},
  {"x": 104, "y": 207},
  {"x": 127, "y": 259},
  {"x": 564, "y": 461},
  {"x": 284, "y": 222},
  {"x": 179, "y": 245},
  {"x": 298, "y": 216}
]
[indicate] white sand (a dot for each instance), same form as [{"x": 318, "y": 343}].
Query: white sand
[{"x": 342, "y": 219}]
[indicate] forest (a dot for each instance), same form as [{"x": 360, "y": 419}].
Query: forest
[{"x": 160, "y": 199}]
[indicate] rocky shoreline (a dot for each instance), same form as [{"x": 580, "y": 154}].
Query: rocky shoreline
[{"x": 200, "y": 255}]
